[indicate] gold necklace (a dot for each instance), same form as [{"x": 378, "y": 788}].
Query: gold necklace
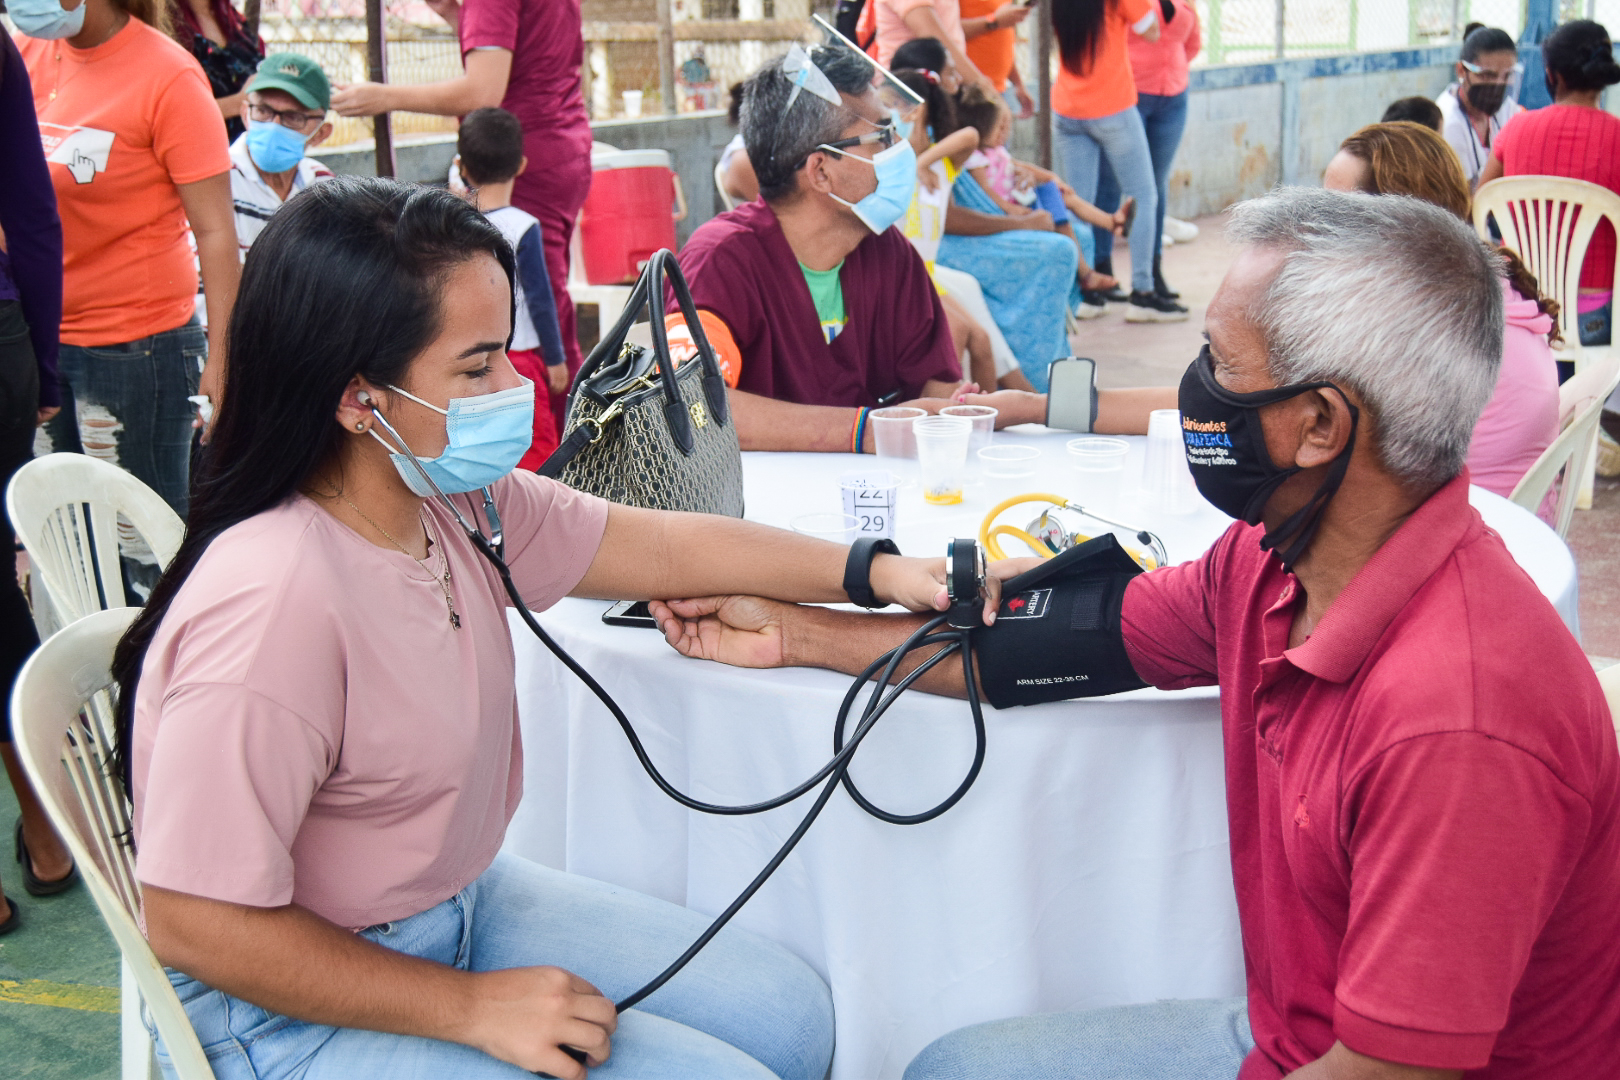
[{"x": 444, "y": 557}]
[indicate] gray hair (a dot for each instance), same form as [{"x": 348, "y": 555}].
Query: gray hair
[
  {"x": 779, "y": 138},
  {"x": 1391, "y": 297}
]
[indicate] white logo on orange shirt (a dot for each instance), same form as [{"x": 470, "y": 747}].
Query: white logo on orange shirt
[{"x": 83, "y": 150}]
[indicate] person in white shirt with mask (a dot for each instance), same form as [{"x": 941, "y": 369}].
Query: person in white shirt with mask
[{"x": 1476, "y": 107}]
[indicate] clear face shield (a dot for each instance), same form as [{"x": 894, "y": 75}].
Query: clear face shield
[{"x": 888, "y": 97}]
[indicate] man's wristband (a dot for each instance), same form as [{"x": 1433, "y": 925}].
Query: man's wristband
[
  {"x": 858, "y": 570},
  {"x": 857, "y": 431}
]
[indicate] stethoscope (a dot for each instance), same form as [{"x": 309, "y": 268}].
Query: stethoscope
[
  {"x": 1049, "y": 535},
  {"x": 949, "y": 634}
]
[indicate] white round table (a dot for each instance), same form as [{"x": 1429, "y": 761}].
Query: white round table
[{"x": 1088, "y": 866}]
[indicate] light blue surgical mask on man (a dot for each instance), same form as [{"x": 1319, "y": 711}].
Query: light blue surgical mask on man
[
  {"x": 489, "y": 435},
  {"x": 45, "y": 19},
  {"x": 896, "y": 169},
  {"x": 274, "y": 147}
]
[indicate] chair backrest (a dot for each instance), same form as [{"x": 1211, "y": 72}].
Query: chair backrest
[
  {"x": 1581, "y": 404},
  {"x": 720, "y": 184},
  {"x": 1548, "y": 221},
  {"x": 62, "y": 724},
  {"x": 65, "y": 508}
]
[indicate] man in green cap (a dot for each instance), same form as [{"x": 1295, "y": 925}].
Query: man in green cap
[{"x": 285, "y": 113}]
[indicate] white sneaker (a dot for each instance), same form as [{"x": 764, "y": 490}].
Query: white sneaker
[
  {"x": 1150, "y": 307},
  {"x": 1166, "y": 240},
  {"x": 1183, "y": 232},
  {"x": 1084, "y": 311}
]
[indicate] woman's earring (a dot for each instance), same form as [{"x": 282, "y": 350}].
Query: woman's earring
[{"x": 359, "y": 425}]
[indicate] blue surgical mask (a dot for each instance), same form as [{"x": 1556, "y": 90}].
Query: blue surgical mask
[
  {"x": 274, "y": 148},
  {"x": 45, "y": 19},
  {"x": 489, "y": 435},
  {"x": 901, "y": 124},
  {"x": 897, "y": 179}
]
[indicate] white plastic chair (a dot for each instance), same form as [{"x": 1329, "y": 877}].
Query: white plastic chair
[
  {"x": 1609, "y": 679},
  {"x": 720, "y": 185},
  {"x": 1549, "y": 221},
  {"x": 1580, "y": 403},
  {"x": 62, "y": 723},
  {"x": 65, "y": 508}
]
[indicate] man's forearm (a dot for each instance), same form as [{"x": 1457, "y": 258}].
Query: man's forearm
[
  {"x": 767, "y": 424},
  {"x": 290, "y": 961},
  {"x": 848, "y": 641},
  {"x": 1343, "y": 1063}
]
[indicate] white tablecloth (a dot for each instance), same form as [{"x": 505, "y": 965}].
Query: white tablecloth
[{"x": 1088, "y": 866}]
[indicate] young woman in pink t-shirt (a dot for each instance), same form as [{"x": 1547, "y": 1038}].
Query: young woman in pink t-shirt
[{"x": 318, "y": 699}]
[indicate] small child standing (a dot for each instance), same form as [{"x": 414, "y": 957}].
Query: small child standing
[{"x": 489, "y": 156}]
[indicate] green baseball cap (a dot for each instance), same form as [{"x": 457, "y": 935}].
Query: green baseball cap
[{"x": 297, "y": 75}]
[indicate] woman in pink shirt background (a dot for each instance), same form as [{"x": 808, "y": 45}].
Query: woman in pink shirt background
[{"x": 319, "y": 705}]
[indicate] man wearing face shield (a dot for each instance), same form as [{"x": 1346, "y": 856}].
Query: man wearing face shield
[
  {"x": 1423, "y": 786},
  {"x": 1476, "y": 107},
  {"x": 828, "y": 309}
]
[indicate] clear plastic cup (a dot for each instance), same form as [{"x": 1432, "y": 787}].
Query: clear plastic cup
[
  {"x": 869, "y": 498},
  {"x": 839, "y": 528},
  {"x": 942, "y": 445},
  {"x": 1167, "y": 483},
  {"x": 891, "y": 431},
  {"x": 1100, "y": 465},
  {"x": 1008, "y": 462},
  {"x": 632, "y": 103},
  {"x": 984, "y": 429}
]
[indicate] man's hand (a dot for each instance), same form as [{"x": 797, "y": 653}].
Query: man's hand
[
  {"x": 523, "y": 1015},
  {"x": 212, "y": 387},
  {"x": 1010, "y": 15},
  {"x": 360, "y": 99},
  {"x": 557, "y": 379},
  {"x": 743, "y": 631},
  {"x": 46, "y": 414}
]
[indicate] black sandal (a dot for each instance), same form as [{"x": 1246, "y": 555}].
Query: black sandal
[
  {"x": 12, "y": 921},
  {"x": 36, "y": 885}
]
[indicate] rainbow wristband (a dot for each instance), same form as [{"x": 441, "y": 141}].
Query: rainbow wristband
[{"x": 858, "y": 435}]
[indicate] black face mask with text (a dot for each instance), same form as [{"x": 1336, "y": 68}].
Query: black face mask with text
[{"x": 1226, "y": 450}]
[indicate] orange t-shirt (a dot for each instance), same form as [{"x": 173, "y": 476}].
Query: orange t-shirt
[
  {"x": 123, "y": 123},
  {"x": 1107, "y": 86},
  {"x": 991, "y": 53}
]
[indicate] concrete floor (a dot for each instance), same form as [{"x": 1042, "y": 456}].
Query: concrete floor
[{"x": 59, "y": 975}]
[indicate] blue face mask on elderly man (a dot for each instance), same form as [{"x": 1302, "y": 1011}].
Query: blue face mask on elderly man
[{"x": 896, "y": 169}]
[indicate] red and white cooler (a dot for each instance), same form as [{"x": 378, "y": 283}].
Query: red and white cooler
[{"x": 631, "y": 211}]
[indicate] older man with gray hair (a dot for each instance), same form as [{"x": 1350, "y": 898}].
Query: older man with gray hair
[{"x": 1423, "y": 786}]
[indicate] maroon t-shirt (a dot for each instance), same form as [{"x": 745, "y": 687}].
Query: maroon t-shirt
[
  {"x": 544, "y": 91},
  {"x": 1574, "y": 141},
  {"x": 740, "y": 267},
  {"x": 1423, "y": 798}
]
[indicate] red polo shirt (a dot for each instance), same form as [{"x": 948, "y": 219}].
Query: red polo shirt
[{"x": 1424, "y": 802}]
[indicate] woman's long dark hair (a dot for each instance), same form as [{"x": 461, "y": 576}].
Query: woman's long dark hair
[
  {"x": 343, "y": 281},
  {"x": 1078, "y": 25}
]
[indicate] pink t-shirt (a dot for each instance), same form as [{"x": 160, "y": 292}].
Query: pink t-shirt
[
  {"x": 310, "y": 729},
  {"x": 1521, "y": 419},
  {"x": 892, "y": 31}
]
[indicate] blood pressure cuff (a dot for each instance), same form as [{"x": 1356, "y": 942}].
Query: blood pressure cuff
[{"x": 1057, "y": 634}]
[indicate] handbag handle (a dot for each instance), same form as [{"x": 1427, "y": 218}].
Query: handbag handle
[{"x": 649, "y": 293}]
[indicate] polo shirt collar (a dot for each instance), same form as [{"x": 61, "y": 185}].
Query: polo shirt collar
[{"x": 1358, "y": 617}]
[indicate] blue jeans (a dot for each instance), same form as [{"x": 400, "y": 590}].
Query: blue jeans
[
  {"x": 1167, "y": 1040},
  {"x": 1082, "y": 146},
  {"x": 744, "y": 1008},
  {"x": 126, "y": 404},
  {"x": 1164, "y": 118},
  {"x": 1596, "y": 325}
]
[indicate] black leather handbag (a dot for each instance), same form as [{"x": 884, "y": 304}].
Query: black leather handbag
[{"x": 643, "y": 432}]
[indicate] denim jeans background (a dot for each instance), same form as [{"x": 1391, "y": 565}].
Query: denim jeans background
[
  {"x": 1082, "y": 146},
  {"x": 1167, "y": 1040},
  {"x": 1164, "y": 118},
  {"x": 19, "y": 408},
  {"x": 126, "y": 404},
  {"x": 745, "y": 1008},
  {"x": 1597, "y": 325}
]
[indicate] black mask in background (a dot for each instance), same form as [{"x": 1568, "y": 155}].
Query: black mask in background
[
  {"x": 1486, "y": 98},
  {"x": 1226, "y": 450}
]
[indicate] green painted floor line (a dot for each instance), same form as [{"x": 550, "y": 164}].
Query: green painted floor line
[{"x": 60, "y": 995}]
